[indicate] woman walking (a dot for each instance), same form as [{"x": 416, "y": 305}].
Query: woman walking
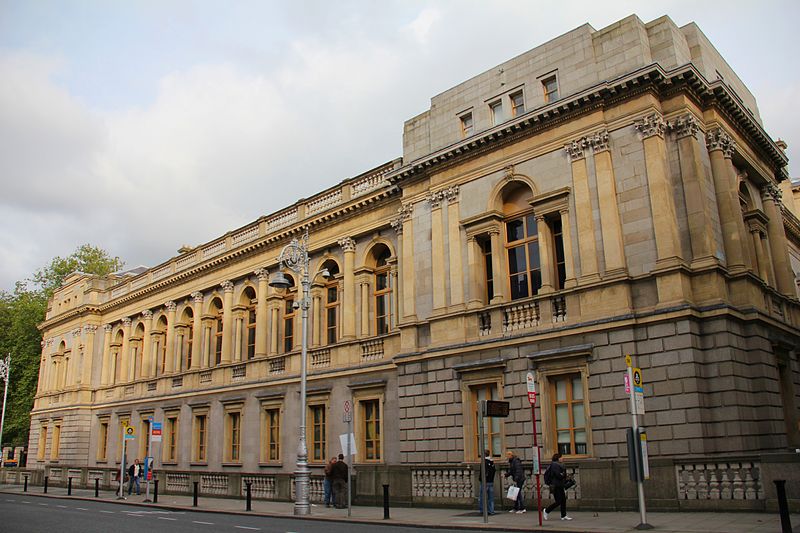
[
  {"x": 555, "y": 476},
  {"x": 517, "y": 474}
]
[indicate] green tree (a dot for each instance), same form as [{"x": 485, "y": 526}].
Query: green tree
[{"x": 21, "y": 311}]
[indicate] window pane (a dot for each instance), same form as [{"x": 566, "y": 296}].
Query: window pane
[
  {"x": 516, "y": 260},
  {"x": 563, "y": 437},
  {"x": 577, "y": 388},
  {"x": 332, "y": 294},
  {"x": 514, "y": 230},
  {"x": 533, "y": 255},
  {"x": 578, "y": 415},
  {"x": 561, "y": 390},
  {"x": 562, "y": 416},
  {"x": 381, "y": 282},
  {"x": 532, "y": 226},
  {"x": 519, "y": 286}
]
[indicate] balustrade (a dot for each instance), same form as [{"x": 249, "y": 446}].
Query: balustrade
[{"x": 719, "y": 481}]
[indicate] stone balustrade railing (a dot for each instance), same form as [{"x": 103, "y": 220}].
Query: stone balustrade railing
[
  {"x": 736, "y": 480},
  {"x": 442, "y": 482}
]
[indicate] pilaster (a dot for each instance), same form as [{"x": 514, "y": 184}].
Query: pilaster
[
  {"x": 438, "y": 273},
  {"x": 147, "y": 319},
  {"x": 169, "y": 367},
  {"x": 583, "y": 210},
  {"x": 452, "y": 195},
  {"x": 124, "y": 355},
  {"x": 349, "y": 297},
  {"x": 610, "y": 224},
  {"x": 778, "y": 245},
  {"x": 197, "y": 330},
  {"x": 261, "y": 312}
]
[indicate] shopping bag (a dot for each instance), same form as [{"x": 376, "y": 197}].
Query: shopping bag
[{"x": 512, "y": 493}]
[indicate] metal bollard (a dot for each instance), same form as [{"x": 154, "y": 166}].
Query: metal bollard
[
  {"x": 249, "y": 501},
  {"x": 196, "y": 483},
  {"x": 69, "y": 486},
  {"x": 96, "y": 487},
  {"x": 783, "y": 506},
  {"x": 155, "y": 491},
  {"x": 386, "y": 502},
  {"x": 45, "y": 484},
  {"x": 26, "y": 484}
]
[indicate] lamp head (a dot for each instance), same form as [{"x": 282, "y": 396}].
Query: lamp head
[
  {"x": 325, "y": 273},
  {"x": 279, "y": 281}
]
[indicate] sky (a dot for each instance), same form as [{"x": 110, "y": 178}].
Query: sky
[{"x": 142, "y": 126}]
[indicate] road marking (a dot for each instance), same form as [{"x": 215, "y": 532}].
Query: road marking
[
  {"x": 12, "y": 501},
  {"x": 85, "y": 509},
  {"x": 165, "y": 518},
  {"x": 204, "y": 523},
  {"x": 61, "y": 506},
  {"x": 23, "y": 501},
  {"x": 245, "y": 527},
  {"x": 43, "y": 504},
  {"x": 107, "y": 512}
]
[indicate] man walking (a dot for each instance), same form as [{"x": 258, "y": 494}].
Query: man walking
[
  {"x": 339, "y": 475},
  {"x": 517, "y": 474},
  {"x": 134, "y": 472},
  {"x": 487, "y": 488},
  {"x": 555, "y": 476}
]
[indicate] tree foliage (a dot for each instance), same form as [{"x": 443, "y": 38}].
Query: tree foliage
[{"x": 21, "y": 311}]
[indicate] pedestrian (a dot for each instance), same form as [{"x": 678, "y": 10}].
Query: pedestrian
[
  {"x": 327, "y": 485},
  {"x": 134, "y": 472},
  {"x": 555, "y": 476},
  {"x": 339, "y": 475},
  {"x": 487, "y": 489},
  {"x": 517, "y": 474}
]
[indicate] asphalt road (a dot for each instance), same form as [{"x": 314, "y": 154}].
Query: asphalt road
[{"x": 28, "y": 514}]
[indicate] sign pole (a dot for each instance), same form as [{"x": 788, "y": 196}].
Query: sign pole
[
  {"x": 531, "y": 382},
  {"x": 634, "y": 385},
  {"x": 352, "y": 463},
  {"x": 483, "y": 485},
  {"x": 5, "y": 371},
  {"x": 147, "y": 460},
  {"x": 122, "y": 465}
]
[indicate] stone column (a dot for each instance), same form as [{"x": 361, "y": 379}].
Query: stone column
[
  {"x": 784, "y": 277},
  {"x": 147, "y": 317},
  {"x": 261, "y": 312},
  {"x": 227, "y": 321},
  {"x": 237, "y": 339},
  {"x": 662, "y": 202},
  {"x": 761, "y": 259},
  {"x": 476, "y": 268},
  {"x": 40, "y": 386},
  {"x": 404, "y": 225},
  {"x": 124, "y": 353},
  {"x": 500, "y": 279},
  {"x": 583, "y": 210},
  {"x": 73, "y": 371},
  {"x": 317, "y": 295},
  {"x": 88, "y": 355},
  {"x": 349, "y": 297},
  {"x": 566, "y": 236},
  {"x": 364, "y": 284},
  {"x": 273, "y": 337},
  {"x": 170, "y": 340},
  {"x": 695, "y": 190},
  {"x": 105, "y": 371},
  {"x": 197, "y": 329},
  {"x": 438, "y": 274},
  {"x": 546, "y": 256},
  {"x": 720, "y": 148},
  {"x": 454, "y": 246},
  {"x": 610, "y": 224}
]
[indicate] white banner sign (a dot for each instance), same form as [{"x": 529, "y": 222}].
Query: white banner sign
[{"x": 343, "y": 443}]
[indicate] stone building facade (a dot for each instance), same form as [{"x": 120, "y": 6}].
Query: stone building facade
[{"x": 608, "y": 193}]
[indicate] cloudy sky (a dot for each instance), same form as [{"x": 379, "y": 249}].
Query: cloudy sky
[{"x": 141, "y": 126}]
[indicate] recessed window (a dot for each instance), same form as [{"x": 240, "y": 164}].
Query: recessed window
[
  {"x": 317, "y": 430},
  {"x": 171, "y": 439},
  {"x": 42, "y": 442},
  {"x": 271, "y": 434},
  {"x": 492, "y": 436},
  {"x": 522, "y": 246},
  {"x": 371, "y": 429},
  {"x": 466, "y": 125},
  {"x": 550, "y": 87},
  {"x": 569, "y": 411},
  {"x": 199, "y": 438},
  {"x": 56, "y": 445},
  {"x": 497, "y": 112},
  {"x": 382, "y": 293},
  {"x": 517, "y": 104},
  {"x": 102, "y": 441},
  {"x": 233, "y": 436},
  {"x": 288, "y": 324}
]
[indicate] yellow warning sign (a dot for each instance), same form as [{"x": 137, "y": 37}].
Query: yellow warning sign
[
  {"x": 130, "y": 433},
  {"x": 628, "y": 360}
]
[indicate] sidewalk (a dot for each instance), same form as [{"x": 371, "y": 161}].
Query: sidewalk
[{"x": 604, "y": 522}]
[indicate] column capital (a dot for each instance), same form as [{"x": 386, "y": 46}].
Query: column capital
[
  {"x": 651, "y": 125},
  {"x": 51, "y": 340},
  {"x": 684, "y": 126},
  {"x": 435, "y": 199},
  {"x": 770, "y": 191},
  {"x": 348, "y": 244},
  {"x": 76, "y": 332},
  {"x": 147, "y": 314},
  {"x": 108, "y": 328},
  {"x": 599, "y": 141},
  {"x": 197, "y": 296},
  {"x": 718, "y": 139},
  {"x": 126, "y": 322},
  {"x": 397, "y": 225},
  {"x": 262, "y": 274},
  {"x": 451, "y": 194},
  {"x": 89, "y": 329},
  {"x": 575, "y": 149},
  {"x": 227, "y": 285},
  {"x": 171, "y": 306}
]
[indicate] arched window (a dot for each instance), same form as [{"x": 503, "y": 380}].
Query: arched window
[
  {"x": 249, "y": 302},
  {"x": 382, "y": 289},
  {"x": 521, "y": 242},
  {"x": 331, "y": 302},
  {"x": 289, "y": 314}
]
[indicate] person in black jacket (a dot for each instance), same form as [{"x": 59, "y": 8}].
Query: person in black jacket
[
  {"x": 339, "y": 477},
  {"x": 555, "y": 476},
  {"x": 517, "y": 474},
  {"x": 487, "y": 488}
]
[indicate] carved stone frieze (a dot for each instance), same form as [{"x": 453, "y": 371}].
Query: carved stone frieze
[
  {"x": 718, "y": 139},
  {"x": 770, "y": 191},
  {"x": 451, "y": 194},
  {"x": 126, "y": 322},
  {"x": 76, "y": 332},
  {"x": 650, "y": 126},
  {"x": 108, "y": 328},
  {"x": 435, "y": 199},
  {"x": 147, "y": 314},
  {"x": 89, "y": 329}
]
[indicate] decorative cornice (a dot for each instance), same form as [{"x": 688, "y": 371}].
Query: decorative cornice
[
  {"x": 599, "y": 141},
  {"x": 171, "y": 306},
  {"x": 684, "y": 126},
  {"x": 575, "y": 149},
  {"x": 147, "y": 314},
  {"x": 347, "y": 244},
  {"x": 197, "y": 296},
  {"x": 718, "y": 139},
  {"x": 262, "y": 274},
  {"x": 227, "y": 285},
  {"x": 651, "y": 125}
]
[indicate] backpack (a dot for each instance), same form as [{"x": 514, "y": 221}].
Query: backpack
[{"x": 548, "y": 475}]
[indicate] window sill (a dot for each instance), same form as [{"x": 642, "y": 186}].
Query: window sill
[
  {"x": 232, "y": 463},
  {"x": 272, "y": 464},
  {"x": 170, "y": 463},
  {"x": 198, "y": 463}
]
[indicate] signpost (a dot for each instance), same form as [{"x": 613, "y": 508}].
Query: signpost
[
  {"x": 348, "y": 417},
  {"x": 148, "y": 461},
  {"x": 637, "y": 438},
  {"x": 531, "y": 382},
  {"x": 129, "y": 433}
]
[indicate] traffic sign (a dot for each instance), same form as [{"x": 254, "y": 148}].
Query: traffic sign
[
  {"x": 155, "y": 432},
  {"x": 532, "y": 398},
  {"x": 638, "y": 390},
  {"x": 627, "y": 384},
  {"x": 130, "y": 433},
  {"x": 531, "y": 382},
  {"x": 348, "y": 411},
  {"x": 628, "y": 361}
]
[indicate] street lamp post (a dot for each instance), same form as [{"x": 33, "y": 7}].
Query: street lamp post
[
  {"x": 294, "y": 256},
  {"x": 5, "y": 371}
]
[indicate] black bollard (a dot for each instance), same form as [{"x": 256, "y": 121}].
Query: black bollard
[
  {"x": 155, "y": 491},
  {"x": 386, "y": 502},
  {"x": 96, "y": 487},
  {"x": 69, "y": 486},
  {"x": 45, "y": 484},
  {"x": 196, "y": 483},
  {"x": 26, "y": 485},
  {"x": 249, "y": 500},
  {"x": 783, "y": 506}
]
